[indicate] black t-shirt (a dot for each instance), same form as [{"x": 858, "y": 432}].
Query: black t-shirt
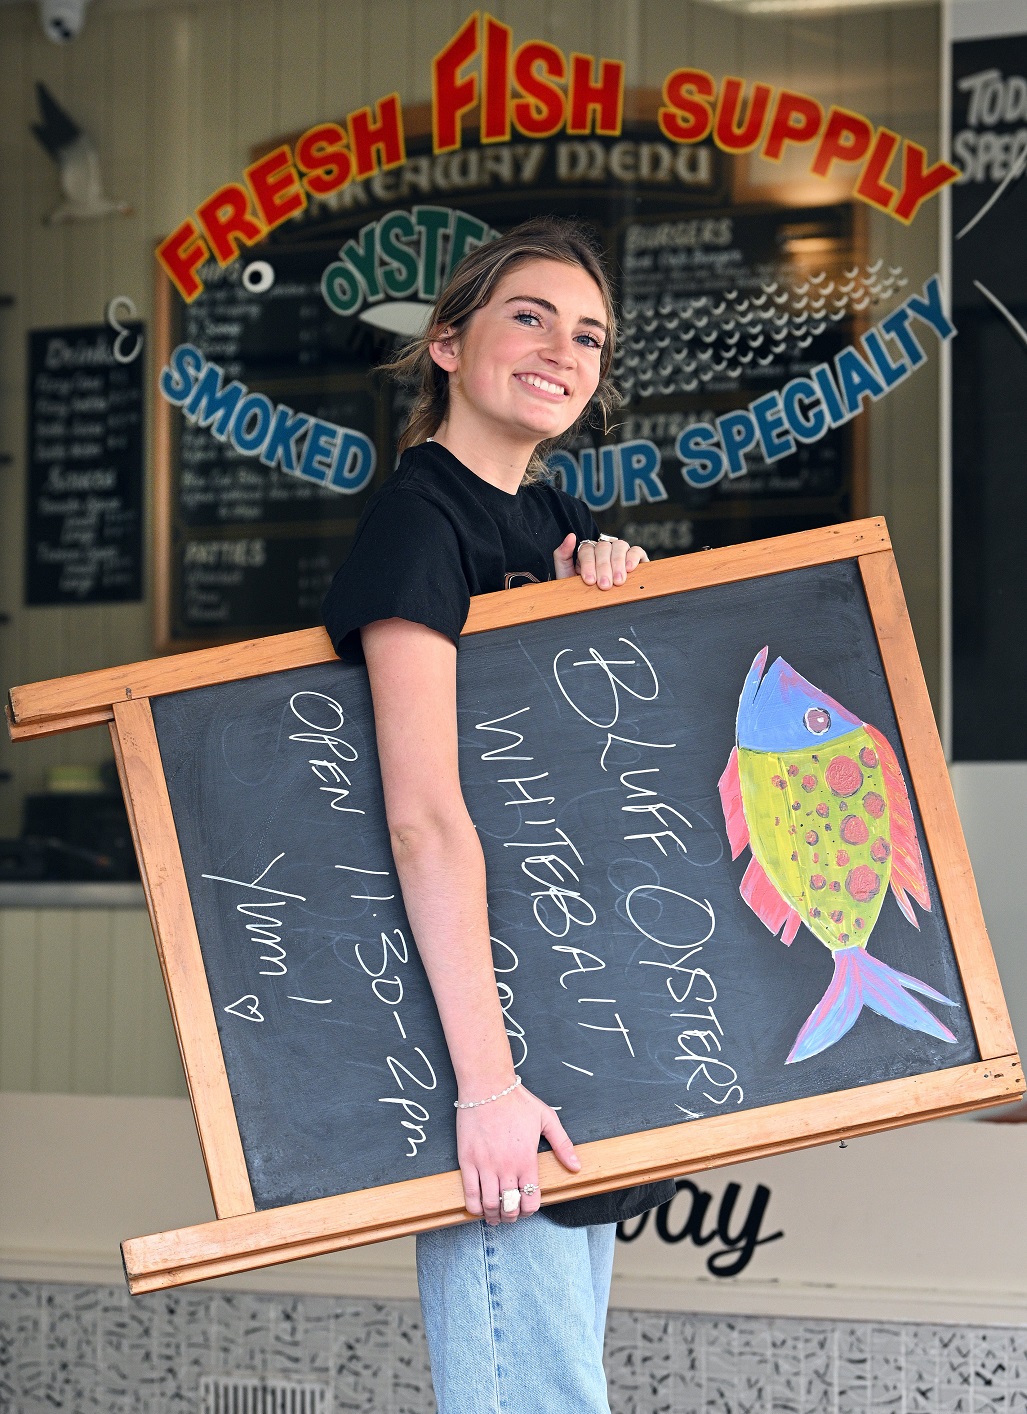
[{"x": 434, "y": 535}]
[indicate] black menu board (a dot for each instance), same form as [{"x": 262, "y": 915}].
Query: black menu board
[
  {"x": 253, "y": 548},
  {"x": 717, "y": 308},
  {"x": 85, "y": 468},
  {"x": 989, "y": 385},
  {"x": 307, "y": 949}
]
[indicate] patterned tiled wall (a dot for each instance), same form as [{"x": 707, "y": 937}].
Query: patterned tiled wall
[{"x": 95, "y": 1350}]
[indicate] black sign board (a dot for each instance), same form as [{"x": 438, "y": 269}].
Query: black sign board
[
  {"x": 717, "y": 310},
  {"x": 591, "y": 748},
  {"x": 253, "y": 547},
  {"x": 989, "y": 382},
  {"x": 85, "y": 468},
  {"x": 664, "y": 778},
  {"x": 713, "y": 317}
]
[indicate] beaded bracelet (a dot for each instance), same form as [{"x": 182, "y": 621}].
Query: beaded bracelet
[{"x": 473, "y": 1104}]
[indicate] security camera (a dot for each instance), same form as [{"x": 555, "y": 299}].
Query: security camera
[{"x": 62, "y": 20}]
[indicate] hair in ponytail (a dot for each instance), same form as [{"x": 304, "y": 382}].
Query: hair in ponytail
[{"x": 469, "y": 288}]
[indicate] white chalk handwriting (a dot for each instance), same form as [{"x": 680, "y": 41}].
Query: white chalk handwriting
[
  {"x": 382, "y": 959},
  {"x": 596, "y": 683},
  {"x": 584, "y": 682},
  {"x": 265, "y": 926},
  {"x": 552, "y": 861},
  {"x": 325, "y": 717}
]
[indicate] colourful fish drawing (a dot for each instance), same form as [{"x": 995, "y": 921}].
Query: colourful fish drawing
[{"x": 818, "y": 797}]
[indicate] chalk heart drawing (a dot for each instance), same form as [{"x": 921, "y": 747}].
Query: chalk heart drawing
[
  {"x": 247, "y": 1007},
  {"x": 818, "y": 797}
]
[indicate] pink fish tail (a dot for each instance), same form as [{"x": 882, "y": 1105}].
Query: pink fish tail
[
  {"x": 861, "y": 980},
  {"x": 836, "y": 1011}
]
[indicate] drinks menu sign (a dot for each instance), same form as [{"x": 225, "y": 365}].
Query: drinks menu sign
[{"x": 85, "y": 469}]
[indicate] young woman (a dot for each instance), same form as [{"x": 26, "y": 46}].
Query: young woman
[{"x": 517, "y": 351}]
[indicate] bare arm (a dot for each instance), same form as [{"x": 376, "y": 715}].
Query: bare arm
[{"x": 412, "y": 670}]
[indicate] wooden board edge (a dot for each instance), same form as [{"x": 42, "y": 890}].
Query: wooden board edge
[
  {"x": 94, "y": 717},
  {"x": 178, "y": 946},
  {"x": 679, "y": 573},
  {"x": 933, "y": 789},
  {"x": 127, "y": 796},
  {"x": 59, "y": 699},
  {"x": 323, "y": 1225}
]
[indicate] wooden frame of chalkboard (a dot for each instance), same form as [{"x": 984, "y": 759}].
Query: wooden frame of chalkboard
[{"x": 242, "y": 1237}]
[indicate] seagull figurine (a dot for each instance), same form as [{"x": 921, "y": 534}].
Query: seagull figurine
[{"x": 78, "y": 161}]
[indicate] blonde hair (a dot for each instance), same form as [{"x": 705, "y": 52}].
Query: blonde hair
[{"x": 468, "y": 289}]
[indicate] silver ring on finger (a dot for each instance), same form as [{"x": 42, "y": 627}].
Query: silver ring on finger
[
  {"x": 529, "y": 1189},
  {"x": 511, "y": 1200}
]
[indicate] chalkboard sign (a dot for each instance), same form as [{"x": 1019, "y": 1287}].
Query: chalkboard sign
[
  {"x": 85, "y": 468},
  {"x": 989, "y": 382},
  {"x": 719, "y": 304},
  {"x": 633, "y": 767}
]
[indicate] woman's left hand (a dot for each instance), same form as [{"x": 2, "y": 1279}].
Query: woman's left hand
[{"x": 601, "y": 562}]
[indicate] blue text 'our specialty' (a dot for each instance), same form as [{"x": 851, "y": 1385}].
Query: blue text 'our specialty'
[{"x": 806, "y": 408}]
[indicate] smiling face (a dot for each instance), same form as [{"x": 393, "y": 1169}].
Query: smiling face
[{"x": 524, "y": 366}]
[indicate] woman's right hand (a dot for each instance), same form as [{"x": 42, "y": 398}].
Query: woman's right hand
[{"x": 497, "y": 1146}]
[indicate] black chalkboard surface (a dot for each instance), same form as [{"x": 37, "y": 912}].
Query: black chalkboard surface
[
  {"x": 85, "y": 467},
  {"x": 716, "y": 306},
  {"x": 243, "y": 547},
  {"x": 989, "y": 380},
  {"x": 334, "y": 1052},
  {"x": 732, "y": 911}
]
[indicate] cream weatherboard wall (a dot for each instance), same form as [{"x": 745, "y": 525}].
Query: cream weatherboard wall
[
  {"x": 176, "y": 95},
  {"x": 82, "y": 1005}
]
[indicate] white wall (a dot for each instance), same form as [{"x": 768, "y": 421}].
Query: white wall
[
  {"x": 920, "y": 1224},
  {"x": 991, "y": 797},
  {"x": 82, "y": 1004}
]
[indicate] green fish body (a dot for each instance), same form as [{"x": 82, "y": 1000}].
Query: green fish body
[
  {"x": 819, "y": 825},
  {"x": 819, "y": 798}
]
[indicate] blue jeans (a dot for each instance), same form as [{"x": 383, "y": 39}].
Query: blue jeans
[{"x": 515, "y": 1315}]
